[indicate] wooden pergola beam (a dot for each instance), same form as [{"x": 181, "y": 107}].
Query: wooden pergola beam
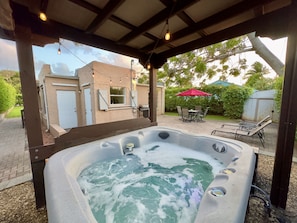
[
  {"x": 287, "y": 122},
  {"x": 30, "y": 99}
]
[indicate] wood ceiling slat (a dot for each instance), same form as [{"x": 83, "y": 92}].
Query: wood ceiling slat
[
  {"x": 155, "y": 20},
  {"x": 268, "y": 24},
  {"x": 212, "y": 20},
  {"x": 113, "y": 18},
  {"x": 111, "y": 6}
]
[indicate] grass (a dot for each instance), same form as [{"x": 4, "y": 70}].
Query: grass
[
  {"x": 15, "y": 112},
  {"x": 208, "y": 117}
]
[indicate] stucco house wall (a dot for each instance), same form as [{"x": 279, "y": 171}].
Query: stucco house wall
[
  {"x": 103, "y": 76},
  {"x": 93, "y": 82},
  {"x": 143, "y": 90},
  {"x": 49, "y": 84}
]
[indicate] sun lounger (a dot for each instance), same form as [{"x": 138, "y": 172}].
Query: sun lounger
[
  {"x": 237, "y": 132},
  {"x": 246, "y": 125}
]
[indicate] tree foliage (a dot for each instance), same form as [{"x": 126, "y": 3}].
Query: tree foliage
[
  {"x": 185, "y": 69},
  {"x": 278, "y": 85},
  {"x": 256, "y": 77}
]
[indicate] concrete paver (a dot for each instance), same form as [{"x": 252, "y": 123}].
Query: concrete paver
[
  {"x": 15, "y": 165},
  {"x": 206, "y": 127}
]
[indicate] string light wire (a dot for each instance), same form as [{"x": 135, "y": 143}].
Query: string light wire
[{"x": 147, "y": 64}]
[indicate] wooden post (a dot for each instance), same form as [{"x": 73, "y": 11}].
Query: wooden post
[
  {"x": 287, "y": 122},
  {"x": 30, "y": 98},
  {"x": 153, "y": 94}
]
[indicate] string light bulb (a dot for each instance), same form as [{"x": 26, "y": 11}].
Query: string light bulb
[
  {"x": 42, "y": 16},
  {"x": 148, "y": 66},
  {"x": 59, "y": 50},
  {"x": 167, "y": 34}
]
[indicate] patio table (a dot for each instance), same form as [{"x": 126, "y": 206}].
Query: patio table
[{"x": 194, "y": 114}]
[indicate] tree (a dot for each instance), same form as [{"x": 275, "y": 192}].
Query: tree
[
  {"x": 183, "y": 70},
  {"x": 266, "y": 54},
  {"x": 255, "y": 77}
]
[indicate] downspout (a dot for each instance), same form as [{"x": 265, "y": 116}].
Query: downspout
[{"x": 45, "y": 103}]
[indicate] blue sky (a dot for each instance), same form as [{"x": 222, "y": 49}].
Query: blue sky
[{"x": 74, "y": 56}]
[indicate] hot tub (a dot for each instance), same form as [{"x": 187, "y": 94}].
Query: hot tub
[{"x": 225, "y": 198}]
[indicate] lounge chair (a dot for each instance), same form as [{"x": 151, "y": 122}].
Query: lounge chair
[
  {"x": 247, "y": 125},
  {"x": 237, "y": 132}
]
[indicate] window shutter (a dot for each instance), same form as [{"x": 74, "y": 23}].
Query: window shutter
[{"x": 103, "y": 100}]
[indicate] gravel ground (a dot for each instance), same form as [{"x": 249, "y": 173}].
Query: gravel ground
[
  {"x": 256, "y": 211},
  {"x": 17, "y": 203}
]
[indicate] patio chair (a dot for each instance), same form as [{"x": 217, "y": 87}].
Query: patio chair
[
  {"x": 186, "y": 117},
  {"x": 202, "y": 115},
  {"x": 237, "y": 132},
  {"x": 179, "y": 111},
  {"x": 198, "y": 108},
  {"x": 247, "y": 125}
]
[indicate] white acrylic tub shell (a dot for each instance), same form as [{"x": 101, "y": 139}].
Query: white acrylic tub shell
[{"x": 225, "y": 199}]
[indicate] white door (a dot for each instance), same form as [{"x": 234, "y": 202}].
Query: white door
[
  {"x": 88, "y": 106},
  {"x": 67, "y": 109}
]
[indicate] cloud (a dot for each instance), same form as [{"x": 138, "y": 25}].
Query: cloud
[
  {"x": 73, "y": 56},
  {"x": 61, "y": 69},
  {"x": 8, "y": 56},
  {"x": 37, "y": 66}
]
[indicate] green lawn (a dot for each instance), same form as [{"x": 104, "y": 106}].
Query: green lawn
[
  {"x": 208, "y": 117},
  {"x": 15, "y": 112}
]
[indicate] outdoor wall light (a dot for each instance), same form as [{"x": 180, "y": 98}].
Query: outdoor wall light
[{"x": 42, "y": 16}]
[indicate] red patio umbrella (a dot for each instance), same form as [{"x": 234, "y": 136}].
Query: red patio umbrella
[{"x": 193, "y": 92}]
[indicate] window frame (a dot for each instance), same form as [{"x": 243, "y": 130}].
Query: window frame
[{"x": 123, "y": 96}]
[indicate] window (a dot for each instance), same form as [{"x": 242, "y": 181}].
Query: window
[{"x": 117, "y": 95}]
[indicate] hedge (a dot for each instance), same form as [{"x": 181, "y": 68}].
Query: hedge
[
  {"x": 7, "y": 96},
  {"x": 225, "y": 100}
]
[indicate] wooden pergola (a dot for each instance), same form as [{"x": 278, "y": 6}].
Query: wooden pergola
[{"x": 136, "y": 28}]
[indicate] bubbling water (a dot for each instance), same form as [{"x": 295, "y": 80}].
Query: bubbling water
[{"x": 158, "y": 183}]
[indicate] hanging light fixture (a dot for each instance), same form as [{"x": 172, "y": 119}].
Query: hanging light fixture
[
  {"x": 59, "y": 50},
  {"x": 148, "y": 66},
  {"x": 42, "y": 16},
  {"x": 167, "y": 34}
]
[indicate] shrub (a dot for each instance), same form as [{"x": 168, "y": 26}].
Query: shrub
[
  {"x": 7, "y": 96},
  {"x": 233, "y": 99},
  {"x": 278, "y": 86},
  {"x": 214, "y": 102}
]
